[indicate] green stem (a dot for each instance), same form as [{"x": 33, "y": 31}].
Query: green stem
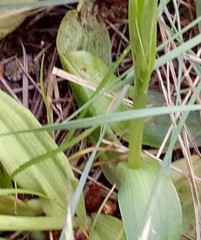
[
  {"x": 137, "y": 125},
  {"x": 142, "y": 31}
]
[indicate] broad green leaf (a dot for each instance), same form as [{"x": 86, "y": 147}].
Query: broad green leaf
[
  {"x": 53, "y": 176},
  {"x": 88, "y": 34},
  {"x": 108, "y": 227},
  {"x": 11, "y": 19},
  {"x": 198, "y": 12},
  {"x": 10, "y": 205},
  {"x": 83, "y": 32},
  {"x": 87, "y": 66},
  {"x": 48, "y": 177},
  {"x": 148, "y": 203},
  {"x": 183, "y": 188},
  {"x": 90, "y": 68},
  {"x": 153, "y": 137}
]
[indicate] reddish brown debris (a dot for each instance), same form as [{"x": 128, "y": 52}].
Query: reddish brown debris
[{"x": 93, "y": 198}]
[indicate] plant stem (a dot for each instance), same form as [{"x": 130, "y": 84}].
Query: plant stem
[
  {"x": 142, "y": 31},
  {"x": 137, "y": 126}
]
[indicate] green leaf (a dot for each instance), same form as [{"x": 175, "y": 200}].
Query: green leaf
[
  {"x": 142, "y": 16},
  {"x": 11, "y": 19},
  {"x": 5, "y": 181},
  {"x": 183, "y": 188},
  {"x": 50, "y": 177},
  {"x": 20, "y": 223},
  {"x": 148, "y": 203},
  {"x": 83, "y": 32},
  {"x": 142, "y": 32},
  {"x": 198, "y": 13},
  {"x": 108, "y": 227},
  {"x": 92, "y": 69},
  {"x": 10, "y": 205}
]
